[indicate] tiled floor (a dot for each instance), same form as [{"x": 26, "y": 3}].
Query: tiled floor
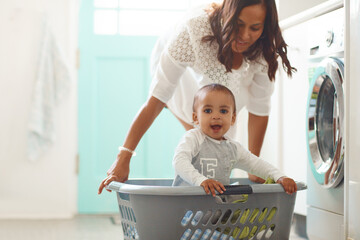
[{"x": 83, "y": 227}]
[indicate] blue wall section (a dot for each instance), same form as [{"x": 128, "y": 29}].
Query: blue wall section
[{"x": 114, "y": 78}]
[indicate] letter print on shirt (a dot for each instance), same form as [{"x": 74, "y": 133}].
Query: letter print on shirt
[{"x": 208, "y": 166}]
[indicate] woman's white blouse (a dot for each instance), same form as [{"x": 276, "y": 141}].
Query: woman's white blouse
[{"x": 182, "y": 63}]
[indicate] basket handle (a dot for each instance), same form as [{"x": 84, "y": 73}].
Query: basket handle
[{"x": 237, "y": 189}]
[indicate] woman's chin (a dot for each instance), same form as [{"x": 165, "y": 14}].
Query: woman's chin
[{"x": 240, "y": 49}]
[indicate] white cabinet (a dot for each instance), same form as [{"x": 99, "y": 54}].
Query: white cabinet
[
  {"x": 352, "y": 154},
  {"x": 288, "y": 8},
  {"x": 292, "y": 105}
]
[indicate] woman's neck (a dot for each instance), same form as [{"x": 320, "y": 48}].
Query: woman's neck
[{"x": 237, "y": 60}]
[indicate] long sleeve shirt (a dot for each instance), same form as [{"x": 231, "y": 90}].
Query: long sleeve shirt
[{"x": 199, "y": 157}]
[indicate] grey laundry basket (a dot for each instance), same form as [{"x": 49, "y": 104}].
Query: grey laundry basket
[{"x": 151, "y": 209}]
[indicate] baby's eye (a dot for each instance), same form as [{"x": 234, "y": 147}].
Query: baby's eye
[
  {"x": 207, "y": 110},
  {"x": 224, "y": 111}
]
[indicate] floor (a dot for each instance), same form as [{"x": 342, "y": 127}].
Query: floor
[{"x": 82, "y": 227}]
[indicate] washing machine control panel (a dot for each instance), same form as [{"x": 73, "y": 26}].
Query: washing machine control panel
[
  {"x": 327, "y": 35},
  {"x": 329, "y": 38}
]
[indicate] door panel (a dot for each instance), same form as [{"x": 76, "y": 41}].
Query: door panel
[
  {"x": 117, "y": 87},
  {"x": 325, "y": 125},
  {"x": 114, "y": 78}
]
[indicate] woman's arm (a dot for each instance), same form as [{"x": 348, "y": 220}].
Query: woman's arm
[
  {"x": 119, "y": 171},
  {"x": 256, "y": 131}
]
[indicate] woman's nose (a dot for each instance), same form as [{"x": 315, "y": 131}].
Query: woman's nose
[{"x": 244, "y": 34}]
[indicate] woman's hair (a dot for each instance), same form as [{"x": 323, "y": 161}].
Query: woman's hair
[
  {"x": 213, "y": 87},
  {"x": 270, "y": 44}
]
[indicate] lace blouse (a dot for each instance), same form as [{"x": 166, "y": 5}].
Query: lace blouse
[{"x": 182, "y": 63}]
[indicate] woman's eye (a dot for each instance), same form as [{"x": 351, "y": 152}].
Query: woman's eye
[
  {"x": 224, "y": 111},
  {"x": 255, "y": 29},
  {"x": 207, "y": 110}
]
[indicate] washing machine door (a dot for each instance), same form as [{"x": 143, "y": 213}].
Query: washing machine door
[{"x": 325, "y": 123}]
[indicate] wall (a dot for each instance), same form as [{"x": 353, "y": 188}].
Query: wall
[{"x": 46, "y": 188}]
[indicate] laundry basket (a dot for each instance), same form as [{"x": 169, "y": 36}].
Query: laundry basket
[{"x": 151, "y": 209}]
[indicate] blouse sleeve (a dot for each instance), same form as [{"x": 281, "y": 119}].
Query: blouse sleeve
[
  {"x": 170, "y": 61},
  {"x": 260, "y": 92}
]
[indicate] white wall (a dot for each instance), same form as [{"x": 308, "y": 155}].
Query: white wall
[
  {"x": 288, "y": 8},
  {"x": 46, "y": 188}
]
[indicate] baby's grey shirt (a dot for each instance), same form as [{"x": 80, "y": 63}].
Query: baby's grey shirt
[{"x": 199, "y": 157}]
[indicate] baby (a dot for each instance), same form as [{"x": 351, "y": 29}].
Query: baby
[{"x": 205, "y": 156}]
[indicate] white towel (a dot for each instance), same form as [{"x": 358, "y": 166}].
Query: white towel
[{"x": 51, "y": 86}]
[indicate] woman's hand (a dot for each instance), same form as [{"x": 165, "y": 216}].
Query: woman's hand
[
  {"x": 288, "y": 184},
  {"x": 119, "y": 170},
  {"x": 210, "y": 185}
]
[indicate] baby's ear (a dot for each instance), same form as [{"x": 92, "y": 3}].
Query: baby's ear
[
  {"x": 233, "y": 119},
  {"x": 195, "y": 118}
]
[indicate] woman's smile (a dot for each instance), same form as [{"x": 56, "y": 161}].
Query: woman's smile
[{"x": 240, "y": 43}]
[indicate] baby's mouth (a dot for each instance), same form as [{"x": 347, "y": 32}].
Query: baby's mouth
[{"x": 215, "y": 127}]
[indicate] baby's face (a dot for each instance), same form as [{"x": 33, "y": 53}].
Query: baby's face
[{"x": 214, "y": 112}]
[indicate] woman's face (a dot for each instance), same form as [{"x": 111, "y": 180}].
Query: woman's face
[{"x": 250, "y": 27}]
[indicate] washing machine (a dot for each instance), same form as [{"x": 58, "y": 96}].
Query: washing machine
[{"x": 325, "y": 127}]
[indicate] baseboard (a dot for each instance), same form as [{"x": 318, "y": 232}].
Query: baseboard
[{"x": 35, "y": 216}]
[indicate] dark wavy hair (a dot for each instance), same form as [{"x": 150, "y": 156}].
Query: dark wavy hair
[{"x": 223, "y": 20}]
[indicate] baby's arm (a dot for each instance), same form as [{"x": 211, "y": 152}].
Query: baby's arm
[
  {"x": 210, "y": 185},
  {"x": 184, "y": 152},
  {"x": 288, "y": 184}
]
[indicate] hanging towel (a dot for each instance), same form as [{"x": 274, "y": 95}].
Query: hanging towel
[{"x": 52, "y": 85}]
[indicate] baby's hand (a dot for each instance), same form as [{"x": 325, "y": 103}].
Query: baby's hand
[
  {"x": 288, "y": 184},
  {"x": 210, "y": 185}
]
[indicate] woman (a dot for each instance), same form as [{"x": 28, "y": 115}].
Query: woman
[{"x": 236, "y": 44}]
